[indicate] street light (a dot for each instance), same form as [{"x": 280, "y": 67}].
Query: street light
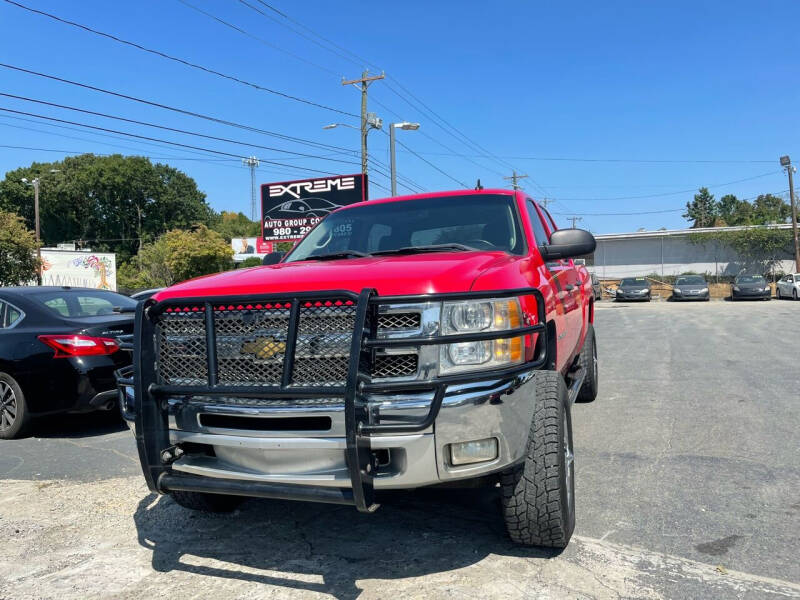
[
  {"x": 373, "y": 121},
  {"x": 786, "y": 163},
  {"x": 393, "y": 167},
  {"x": 35, "y": 184}
]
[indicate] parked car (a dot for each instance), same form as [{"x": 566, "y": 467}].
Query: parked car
[
  {"x": 58, "y": 352},
  {"x": 789, "y": 286},
  {"x": 750, "y": 287},
  {"x": 597, "y": 289},
  {"x": 634, "y": 288},
  {"x": 145, "y": 294},
  {"x": 404, "y": 342},
  {"x": 690, "y": 287}
]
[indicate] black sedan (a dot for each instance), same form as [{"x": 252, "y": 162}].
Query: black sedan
[
  {"x": 750, "y": 287},
  {"x": 58, "y": 352},
  {"x": 690, "y": 287},
  {"x": 634, "y": 288}
]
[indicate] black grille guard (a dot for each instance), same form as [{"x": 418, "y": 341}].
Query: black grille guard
[{"x": 150, "y": 412}]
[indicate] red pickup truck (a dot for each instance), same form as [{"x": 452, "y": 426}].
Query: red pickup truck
[{"x": 404, "y": 342}]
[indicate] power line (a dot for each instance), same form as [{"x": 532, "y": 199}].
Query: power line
[
  {"x": 255, "y": 37},
  {"x": 654, "y": 212},
  {"x": 83, "y": 139},
  {"x": 461, "y": 183},
  {"x": 250, "y": 35},
  {"x": 174, "y": 129},
  {"x": 180, "y": 110},
  {"x": 623, "y": 160},
  {"x": 181, "y": 60},
  {"x": 356, "y": 60},
  {"x": 144, "y": 137},
  {"x": 676, "y": 193}
]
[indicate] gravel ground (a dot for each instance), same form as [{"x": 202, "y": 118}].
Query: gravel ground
[{"x": 687, "y": 487}]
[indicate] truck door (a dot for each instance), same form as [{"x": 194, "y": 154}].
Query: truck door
[
  {"x": 574, "y": 302},
  {"x": 558, "y": 274}
]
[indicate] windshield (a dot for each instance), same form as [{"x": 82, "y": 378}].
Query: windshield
[
  {"x": 481, "y": 222},
  {"x": 751, "y": 279},
  {"x": 634, "y": 282},
  {"x": 690, "y": 280},
  {"x": 82, "y": 303}
]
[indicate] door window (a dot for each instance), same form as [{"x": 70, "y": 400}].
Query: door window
[{"x": 539, "y": 232}]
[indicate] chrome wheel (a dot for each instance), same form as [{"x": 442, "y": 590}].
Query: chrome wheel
[
  {"x": 8, "y": 406},
  {"x": 569, "y": 461}
]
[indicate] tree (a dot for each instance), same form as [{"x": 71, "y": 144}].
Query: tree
[
  {"x": 176, "y": 256},
  {"x": 18, "y": 261},
  {"x": 250, "y": 261},
  {"x": 111, "y": 203},
  {"x": 769, "y": 209},
  {"x": 233, "y": 225},
  {"x": 702, "y": 210},
  {"x": 760, "y": 248}
]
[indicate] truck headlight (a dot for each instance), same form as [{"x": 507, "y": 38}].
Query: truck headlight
[{"x": 474, "y": 317}]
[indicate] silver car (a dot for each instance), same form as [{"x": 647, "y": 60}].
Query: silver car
[{"x": 789, "y": 287}]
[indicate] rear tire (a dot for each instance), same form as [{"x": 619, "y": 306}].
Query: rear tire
[
  {"x": 794, "y": 294},
  {"x": 539, "y": 493},
  {"x": 588, "y": 360},
  {"x": 14, "y": 416},
  {"x": 213, "y": 503}
]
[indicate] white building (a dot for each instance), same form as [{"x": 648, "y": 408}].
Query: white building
[{"x": 670, "y": 252}]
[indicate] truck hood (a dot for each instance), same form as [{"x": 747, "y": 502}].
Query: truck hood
[{"x": 389, "y": 275}]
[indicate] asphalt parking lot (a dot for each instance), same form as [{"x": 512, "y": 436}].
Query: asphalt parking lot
[{"x": 687, "y": 482}]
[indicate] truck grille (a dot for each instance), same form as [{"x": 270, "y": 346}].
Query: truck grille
[{"x": 252, "y": 340}]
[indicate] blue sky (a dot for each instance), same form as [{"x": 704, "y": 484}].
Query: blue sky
[{"x": 712, "y": 85}]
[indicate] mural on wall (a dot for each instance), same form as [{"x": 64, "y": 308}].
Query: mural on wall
[{"x": 79, "y": 269}]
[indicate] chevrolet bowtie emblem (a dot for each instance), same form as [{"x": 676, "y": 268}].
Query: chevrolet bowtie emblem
[{"x": 263, "y": 347}]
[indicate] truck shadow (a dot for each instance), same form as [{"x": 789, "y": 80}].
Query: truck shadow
[{"x": 325, "y": 548}]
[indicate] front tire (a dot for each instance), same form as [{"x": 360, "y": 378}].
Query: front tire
[
  {"x": 539, "y": 493},
  {"x": 213, "y": 503},
  {"x": 14, "y": 415},
  {"x": 588, "y": 360},
  {"x": 794, "y": 294}
]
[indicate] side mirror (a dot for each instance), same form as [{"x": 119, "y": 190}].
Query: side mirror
[
  {"x": 568, "y": 243},
  {"x": 273, "y": 258}
]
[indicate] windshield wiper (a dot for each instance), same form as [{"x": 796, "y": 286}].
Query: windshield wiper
[
  {"x": 335, "y": 255},
  {"x": 430, "y": 248}
]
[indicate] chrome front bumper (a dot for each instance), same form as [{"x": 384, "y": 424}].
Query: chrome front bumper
[{"x": 501, "y": 409}]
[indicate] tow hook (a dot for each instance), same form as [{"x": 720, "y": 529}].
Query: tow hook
[{"x": 171, "y": 454}]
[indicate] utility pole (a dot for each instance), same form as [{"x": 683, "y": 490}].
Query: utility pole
[
  {"x": 545, "y": 201},
  {"x": 514, "y": 179},
  {"x": 252, "y": 162},
  {"x": 574, "y": 220},
  {"x": 365, "y": 80},
  {"x": 34, "y": 183},
  {"x": 38, "y": 233},
  {"x": 786, "y": 163}
]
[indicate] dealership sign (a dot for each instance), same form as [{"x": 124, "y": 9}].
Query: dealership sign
[{"x": 290, "y": 209}]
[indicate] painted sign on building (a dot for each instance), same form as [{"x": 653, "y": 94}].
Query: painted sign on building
[
  {"x": 96, "y": 270},
  {"x": 291, "y": 208}
]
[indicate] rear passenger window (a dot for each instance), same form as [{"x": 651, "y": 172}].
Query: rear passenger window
[
  {"x": 539, "y": 232},
  {"x": 9, "y": 315}
]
